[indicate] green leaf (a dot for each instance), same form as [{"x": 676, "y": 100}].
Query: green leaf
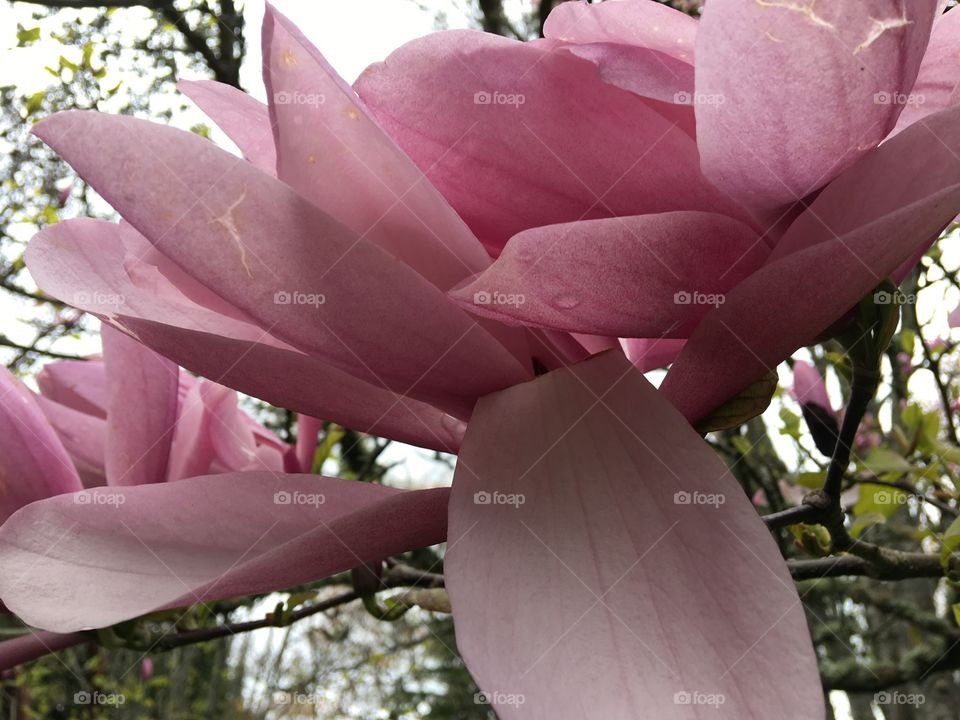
[
  {"x": 811, "y": 480},
  {"x": 25, "y": 36},
  {"x": 814, "y": 539},
  {"x": 951, "y": 541},
  {"x": 864, "y": 521},
  {"x": 35, "y": 102},
  {"x": 791, "y": 423},
  {"x": 64, "y": 63},
  {"x": 745, "y": 406},
  {"x": 883, "y": 461},
  {"x": 878, "y": 500},
  {"x": 908, "y": 340}
]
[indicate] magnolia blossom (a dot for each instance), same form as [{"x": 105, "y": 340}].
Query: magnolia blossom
[{"x": 432, "y": 255}]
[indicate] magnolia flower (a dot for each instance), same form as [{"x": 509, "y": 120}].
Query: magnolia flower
[
  {"x": 738, "y": 184},
  {"x": 829, "y": 127}
]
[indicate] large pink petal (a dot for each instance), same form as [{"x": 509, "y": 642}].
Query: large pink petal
[
  {"x": 142, "y": 390},
  {"x": 639, "y": 276},
  {"x": 517, "y": 136},
  {"x": 293, "y": 268},
  {"x": 33, "y": 461},
  {"x": 332, "y": 152},
  {"x": 790, "y": 92},
  {"x": 245, "y": 120},
  {"x": 117, "y": 553},
  {"x": 939, "y": 74},
  {"x": 86, "y": 262},
  {"x": 603, "y": 560},
  {"x": 858, "y": 231}
]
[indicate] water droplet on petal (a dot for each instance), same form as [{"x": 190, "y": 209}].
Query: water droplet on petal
[{"x": 566, "y": 302}]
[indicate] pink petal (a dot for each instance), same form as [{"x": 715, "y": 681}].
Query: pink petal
[
  {"x": 953, "y": 319},
  {"x": 643, "y": 72},
  {"x": 333, "y": 153},
  {"x": 33, "y": 645},
  {"x": 880, "y": 213},
  {"x": 790, "y": 93},
  {"x": 88, "y": 263},
  {"x": 652, "y": 353},
  {"x": 639, "y": 24},
  {"x": 598, "y": 590},
  {"x": 123, "y": 552},
  {"x": 516, "y": 136},
  {"x": 308, "y": 428},
  {"x": 808, "y": 386},
  {"x": 321, "y": 289},
  {"x": 142, "y": 390},
  {"x": 77, "y": 384},
  {"x": 640, "y": 276},
  {"x": 245, "y": 120},
  {"x": 33, "y": 461},
  {"x": 939, "y": 73},
  {"x": 83, "y": 437},
  {"x": 910, "y": 168}
]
